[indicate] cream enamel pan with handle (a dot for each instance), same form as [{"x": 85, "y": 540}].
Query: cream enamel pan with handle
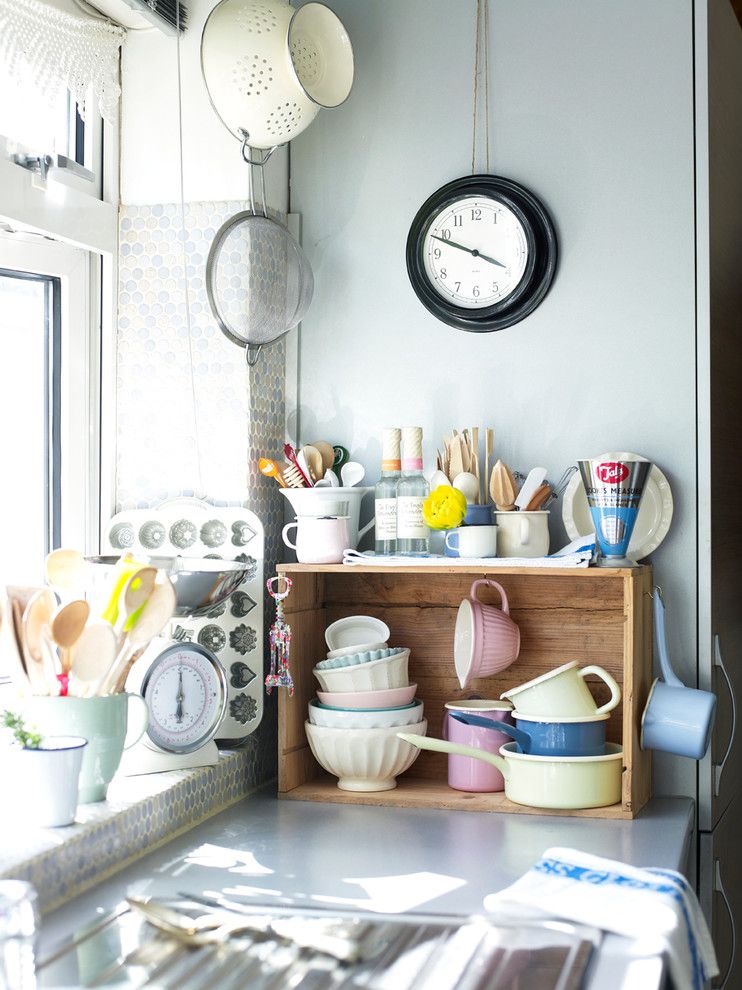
[{"x": 559, "y": 782}]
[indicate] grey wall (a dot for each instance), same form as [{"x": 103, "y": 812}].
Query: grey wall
[{"x": 592, "y": 107}]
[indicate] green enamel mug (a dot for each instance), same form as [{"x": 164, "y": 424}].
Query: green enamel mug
[{"x": 111, "y": 724}]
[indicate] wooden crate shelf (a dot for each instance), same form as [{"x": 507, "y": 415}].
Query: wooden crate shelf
[{"x": 593, "y": 615}]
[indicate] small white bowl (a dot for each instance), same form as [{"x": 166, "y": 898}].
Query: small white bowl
[
  {"x": 355, "y": 629},
  {"x": 361, "y": 648},
  {"x": 377, "y": 675},
  {"x": 384, "y": 718},
  {"x": 364, "y": 759},
  {"x": 353, "y": 659}
]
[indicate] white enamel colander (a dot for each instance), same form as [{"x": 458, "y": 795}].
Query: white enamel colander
[{"x": 269, "y": 67}]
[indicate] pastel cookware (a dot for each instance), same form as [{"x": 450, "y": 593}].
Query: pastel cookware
[
  {"x": 486, "y": 640},
  {"x": 542, "y": 736},
  {"x": 473, "y": 541},
  {"x": 319, "y": 540},
  {"x": 312, "y": 500},
  {"x": 464, "y": 773},
  {"x": 364, "y": 759},
  {"x": 562, "y": 782},
  {"x": 563, "y": 693},
  {"x": 522, "y": 534},
  {"x": 677, "y": 719},
  {"x": 368, "y": 700},
  {"x": 353, "y": 631},
  {"x": 375, "y": 675}
]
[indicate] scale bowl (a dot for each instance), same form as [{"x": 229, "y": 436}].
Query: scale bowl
[{"x": 201, "y": 583}]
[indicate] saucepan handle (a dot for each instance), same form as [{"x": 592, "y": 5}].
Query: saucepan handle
[
  {"x": 660, "y": 639},
  {"x": 441, "y": 746},
  {"x": 521, "y": 737}
]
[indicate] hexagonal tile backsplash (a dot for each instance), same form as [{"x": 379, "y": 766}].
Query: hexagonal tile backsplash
[{"x": 239, "y": 411}]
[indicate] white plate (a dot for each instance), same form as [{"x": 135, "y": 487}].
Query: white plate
[
  {"x": 354, "y": 630},
  {"x": 652, "y": 521}
]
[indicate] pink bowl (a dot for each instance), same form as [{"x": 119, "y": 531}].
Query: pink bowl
[{"x": 366, "y": 700}]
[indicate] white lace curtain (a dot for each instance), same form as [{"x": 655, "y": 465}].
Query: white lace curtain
[{"x": 61, "y": 49}]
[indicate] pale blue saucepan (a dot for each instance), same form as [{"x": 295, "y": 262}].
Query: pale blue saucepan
[
  {"x": 541, "y": 736},
  {"x": 677, "y": 719}
]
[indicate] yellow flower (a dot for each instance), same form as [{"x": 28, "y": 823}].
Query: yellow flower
[{"x": 444, "y": 508}]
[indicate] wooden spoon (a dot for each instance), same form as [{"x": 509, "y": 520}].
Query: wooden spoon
[
  {"x": 155, "y": 615},
  {"x": 36, "y": 617},
  {"x": 64, "y": 569},
  {"x": 92, "y": 657},
  {"x": 10, "y": 648},
  {"x": 66, "y": 628},
  {"x": 326, "y": 453},
  {"x": 474, "y": 464},
  {"x": 489, "y": 447},
  {"x": 315, "y": 462},
  {"x": 134, "y": 594}
]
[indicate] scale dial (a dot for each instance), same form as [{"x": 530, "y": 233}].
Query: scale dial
[{"x": 186, "y": 693}]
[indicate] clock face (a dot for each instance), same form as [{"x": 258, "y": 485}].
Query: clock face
[
  {"x": 481, "y": 253},
  {"x": 475, "y": 252},
  {"x": 186, "y": 694}
]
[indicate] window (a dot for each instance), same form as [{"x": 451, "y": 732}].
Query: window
[
  {"x": 29, "y": 406},
  {"x": 49, "y": 398}
]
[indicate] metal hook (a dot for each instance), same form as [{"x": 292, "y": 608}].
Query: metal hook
[{"x": 265, "y": 155}]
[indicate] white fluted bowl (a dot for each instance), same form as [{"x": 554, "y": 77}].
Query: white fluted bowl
[
  {"x": 349, "y": 718},
  {"x": 364, "y": 759},
  {"x": 375, "y": 675}
]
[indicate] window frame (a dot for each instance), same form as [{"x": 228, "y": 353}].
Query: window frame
[{"x": 78, "y": 273}]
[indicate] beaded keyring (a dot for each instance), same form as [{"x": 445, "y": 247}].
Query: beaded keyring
[{"x": 280, "y": 640}]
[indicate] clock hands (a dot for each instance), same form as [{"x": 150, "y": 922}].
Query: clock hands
[
  {"x": 179, "y": 697},
  {"x": 472, "y": 251}
]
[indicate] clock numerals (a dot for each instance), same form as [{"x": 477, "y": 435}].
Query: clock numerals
[
  {"x": 458, "y": 221},
  {"x": 476, "y": 214}
]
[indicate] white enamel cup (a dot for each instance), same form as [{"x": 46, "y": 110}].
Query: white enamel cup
[
  {"x": 522, "y": 534},
  {"x": 562, "y": 693}
]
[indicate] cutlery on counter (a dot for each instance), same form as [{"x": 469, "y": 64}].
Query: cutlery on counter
[
  {"x": 540, "y": 498},
  {"x": 561, "y": 486},
  {"x": 351, "y": 474},
  {"x": 315, "y": 465},
  {"x": 290, "y": 455},
  {"x": 67, "y": 624}
]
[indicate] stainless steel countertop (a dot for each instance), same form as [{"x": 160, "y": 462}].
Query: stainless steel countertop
[{"x": 387, "y": 860}]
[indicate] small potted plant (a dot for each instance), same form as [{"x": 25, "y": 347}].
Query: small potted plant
[{"x": 44, "y": 772}]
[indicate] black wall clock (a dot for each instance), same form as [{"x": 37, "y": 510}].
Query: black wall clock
[{"x": 482, "y": 253}]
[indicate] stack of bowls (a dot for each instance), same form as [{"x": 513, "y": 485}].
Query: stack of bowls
[{"x": 365, "y": 698}]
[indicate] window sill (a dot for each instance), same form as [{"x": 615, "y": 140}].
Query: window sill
[{"x": 140, "y": 814}]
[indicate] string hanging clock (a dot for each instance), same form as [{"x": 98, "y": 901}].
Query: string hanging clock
[{"x": 482, "y": 250}]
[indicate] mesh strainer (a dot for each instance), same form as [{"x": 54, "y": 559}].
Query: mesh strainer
[
  {"x": 258, "y": 280},
  {"x": 268, "y": 68}
]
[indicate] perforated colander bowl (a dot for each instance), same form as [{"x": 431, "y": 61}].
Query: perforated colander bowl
[
  {"x": 258, "y": 281},
  {"x": 268, "y": 68}
]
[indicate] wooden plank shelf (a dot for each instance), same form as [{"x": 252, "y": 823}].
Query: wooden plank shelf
[{"x": 592, "y": 615}]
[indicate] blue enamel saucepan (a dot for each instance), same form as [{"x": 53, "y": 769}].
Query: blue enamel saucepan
[{"x": 542, "y": 736}]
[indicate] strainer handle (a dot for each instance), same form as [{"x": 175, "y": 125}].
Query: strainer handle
[
  {"x": 246, "y": 148},
  {"x": 251, "y": 354}
]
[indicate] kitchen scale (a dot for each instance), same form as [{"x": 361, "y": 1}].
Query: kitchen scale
[{"x": 202, "y": 680}]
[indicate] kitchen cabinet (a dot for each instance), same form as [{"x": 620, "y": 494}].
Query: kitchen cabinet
[
  {"x": 592, "y": 615},
  {"x": 718, "y": 86}
]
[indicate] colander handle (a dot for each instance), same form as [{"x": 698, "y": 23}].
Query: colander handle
[{"x": 252, "y": 352}]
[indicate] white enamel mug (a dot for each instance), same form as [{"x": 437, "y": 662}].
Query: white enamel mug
[
  {"x": 473, "y": 541},
  {"x": 562, "y": 693},
  {"x": 522, "y": 534},
  {"x": 319, "y": 541}
]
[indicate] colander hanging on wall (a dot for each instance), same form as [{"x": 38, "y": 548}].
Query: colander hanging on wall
[
  {"x": 269, "y": 68},
  {"x": 258, "y": 280}
]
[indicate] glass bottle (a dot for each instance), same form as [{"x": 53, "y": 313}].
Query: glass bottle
[
  {"x": 385, "y": 494},
  {"x": 412, "y": 490}
]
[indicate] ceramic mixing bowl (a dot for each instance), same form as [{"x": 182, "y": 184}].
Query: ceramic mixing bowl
[{"x": 364, "y": 759}]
